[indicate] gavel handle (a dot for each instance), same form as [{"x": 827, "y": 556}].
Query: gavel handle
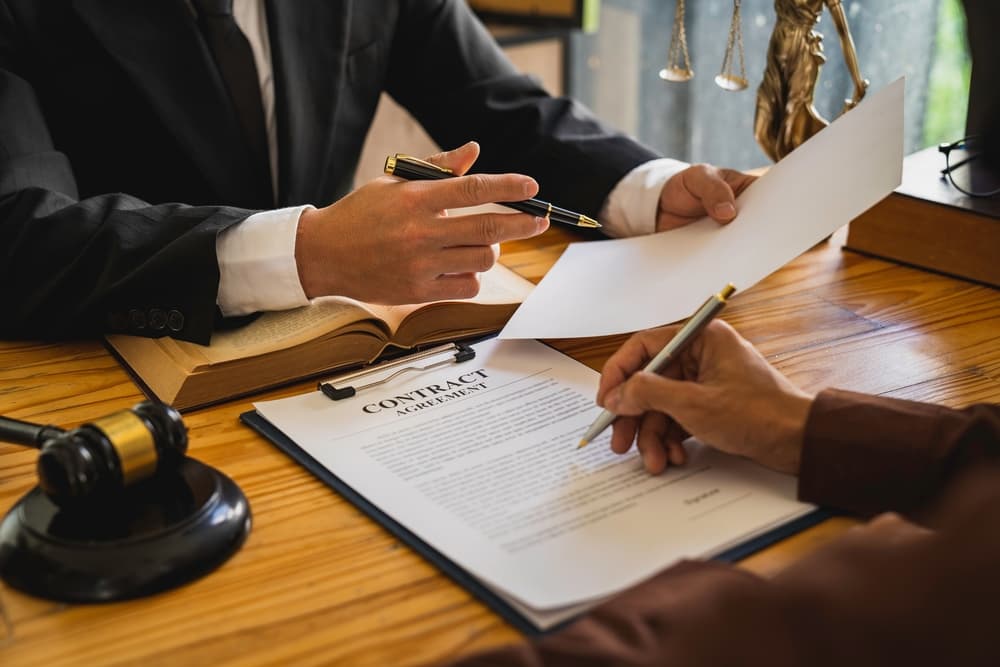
[{"x": 26, "y": 433}]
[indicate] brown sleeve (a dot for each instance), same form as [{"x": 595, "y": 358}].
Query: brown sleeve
[
  {"x": 869, "y": 454},
  {"x": 695, "y": 613}
]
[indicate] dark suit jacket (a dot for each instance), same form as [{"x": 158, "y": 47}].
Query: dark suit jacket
[
  {"x": 891, "y": 593},
  {"x": 104, "y": 97}
]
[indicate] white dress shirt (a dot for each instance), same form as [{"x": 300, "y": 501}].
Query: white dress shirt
[{"x": 257, "y": 269}]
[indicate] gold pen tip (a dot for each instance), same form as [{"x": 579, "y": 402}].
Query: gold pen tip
[
  {"x": 727, "y": 291},
  {"x": 583, "y": 443},
  {"x": 586, "y": 221}
]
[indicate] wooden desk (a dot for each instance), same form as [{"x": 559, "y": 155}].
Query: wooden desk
[{"x": 317, "y": 582}]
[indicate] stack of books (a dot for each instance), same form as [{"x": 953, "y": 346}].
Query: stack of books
[{"x": 929, "y": 224}]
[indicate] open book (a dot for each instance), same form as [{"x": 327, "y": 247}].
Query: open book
[
  {"x": 331, "y": 333},
  {"x": 475, "y": 465}
]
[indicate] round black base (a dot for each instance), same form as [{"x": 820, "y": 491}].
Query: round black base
[{"x": 157, "y": 534}]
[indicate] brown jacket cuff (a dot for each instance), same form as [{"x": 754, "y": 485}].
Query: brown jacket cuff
[{"x": 869, "y": 454}]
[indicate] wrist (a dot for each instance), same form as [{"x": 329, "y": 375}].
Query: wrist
[
  {"x": 787, "y": 449},
  {"x": 632, "y": 207},
  {"x": 305, "y": 249}
]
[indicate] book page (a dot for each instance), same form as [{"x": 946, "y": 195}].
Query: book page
[
  {"x": 480, "y": 460},
  {"x": 281, "y": 329},
  {"x": 497, "y": 286}
]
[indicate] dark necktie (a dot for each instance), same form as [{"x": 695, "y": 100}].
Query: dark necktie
[{"x": 234, "y": 58}]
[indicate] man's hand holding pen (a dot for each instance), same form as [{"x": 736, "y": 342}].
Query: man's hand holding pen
[
  {"x": 392, "y": 242},
  {"x": 720, "y": 390},
  {"x": 415, "y": 169}
]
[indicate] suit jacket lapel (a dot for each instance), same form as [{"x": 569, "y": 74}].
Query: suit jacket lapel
[
  {"x": 158, "y": 44},
  {"x": 309, "y": 54}
]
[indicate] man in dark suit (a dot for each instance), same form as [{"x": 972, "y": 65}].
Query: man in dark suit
[
  {"x": 919, "y": 590},
  {"x": 158, "y": 160}
]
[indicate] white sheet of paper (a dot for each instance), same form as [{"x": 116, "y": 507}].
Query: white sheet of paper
[
  {"x": 480, "y": 460},
  {"x": 617, "y": 286}
]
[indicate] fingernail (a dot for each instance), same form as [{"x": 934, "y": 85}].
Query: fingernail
[
  {"x": 541, "y": 223},
  {"x": 725, "y": 210},
  {"x": 529, "y": 189}
]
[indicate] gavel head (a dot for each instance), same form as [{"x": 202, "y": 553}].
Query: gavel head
[{"x": 97, "y": 459}]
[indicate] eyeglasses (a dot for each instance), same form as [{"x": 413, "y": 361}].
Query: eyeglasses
[{"x": 964, "y": 167}]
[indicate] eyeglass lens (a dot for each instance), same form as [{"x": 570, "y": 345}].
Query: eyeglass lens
[{"x": 970, "y": 172}]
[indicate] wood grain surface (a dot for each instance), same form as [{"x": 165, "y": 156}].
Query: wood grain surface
[{"x": 319, "y": 583}]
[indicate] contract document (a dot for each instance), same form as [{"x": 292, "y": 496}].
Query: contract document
[
  {"x": 646, "y": 281},
  {"x": 479, "y": 459}
]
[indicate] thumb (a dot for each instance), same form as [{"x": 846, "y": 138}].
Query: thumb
[
  {"x": 459, "y": 160},
  {"x": 644, "y": 392}
]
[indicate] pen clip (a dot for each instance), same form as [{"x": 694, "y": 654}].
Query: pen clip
[
  {"x": 415, "y": 160},
  {"x": 459, "y": 353}
]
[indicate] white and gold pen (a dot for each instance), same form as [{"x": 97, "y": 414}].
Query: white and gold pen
[{"x": 670, "y": 351}]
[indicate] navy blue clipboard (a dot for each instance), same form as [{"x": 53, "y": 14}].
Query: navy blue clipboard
[{"x": 446, "y": 565}]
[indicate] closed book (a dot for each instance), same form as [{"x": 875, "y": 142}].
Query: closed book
[{"x": 929, "y": 224}]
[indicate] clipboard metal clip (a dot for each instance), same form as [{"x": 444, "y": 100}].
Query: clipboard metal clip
[{"x": 458, "y": 352}]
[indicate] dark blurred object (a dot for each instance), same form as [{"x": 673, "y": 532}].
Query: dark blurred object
[
  {"x": 582, "y": 14},
  {"x": 983, "y": 119}
]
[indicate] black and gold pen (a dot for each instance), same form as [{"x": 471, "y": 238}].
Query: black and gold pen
[{"x": 413, "y": 169}]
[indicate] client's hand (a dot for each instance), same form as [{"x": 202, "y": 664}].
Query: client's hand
[
  {"x": 392, "y": 241},
  {"x": 698, "y": 191},
  {"x": 720, "y": 390}
]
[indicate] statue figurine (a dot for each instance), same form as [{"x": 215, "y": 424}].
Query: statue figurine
[{"x": 785, "y": 116}]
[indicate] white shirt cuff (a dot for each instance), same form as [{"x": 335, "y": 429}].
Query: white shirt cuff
[
  {"x": 630, "y": 209},
  {"x": 257, "y": 269}
]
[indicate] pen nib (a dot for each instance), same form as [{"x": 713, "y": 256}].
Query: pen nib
[
  {"x": 585, "y": 221},
  {"x": 583, "y": 443}
]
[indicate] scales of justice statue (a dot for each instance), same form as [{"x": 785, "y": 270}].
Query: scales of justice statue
[{"x": 785, "y": 116}]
